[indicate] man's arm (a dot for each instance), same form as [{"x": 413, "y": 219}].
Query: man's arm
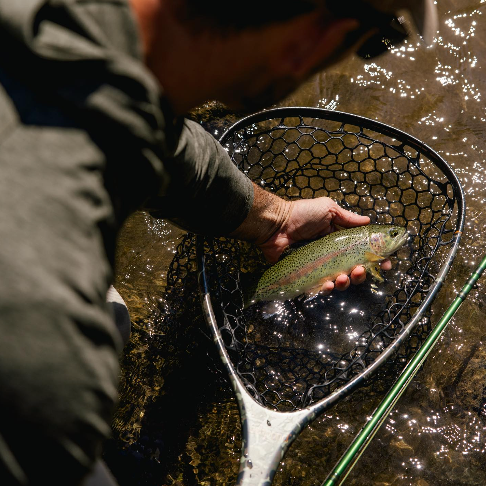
[
  {"x": 206, "y": 192},
  {"x": 274, "y": 223}
]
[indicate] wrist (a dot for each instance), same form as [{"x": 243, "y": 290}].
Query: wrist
[{"x": 267, "y": 216}]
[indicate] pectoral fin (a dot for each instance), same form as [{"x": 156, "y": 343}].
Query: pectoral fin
[
  {"x": 374, "y": 269},
  {"x": 313, "y": 292},
  {"x": 373, "y": 257}
]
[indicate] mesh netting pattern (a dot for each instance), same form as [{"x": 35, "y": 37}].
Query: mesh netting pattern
[{"x": 306, "y": 351}]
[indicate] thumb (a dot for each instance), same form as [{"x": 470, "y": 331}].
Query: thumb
[{"x": 348, "y": 219}]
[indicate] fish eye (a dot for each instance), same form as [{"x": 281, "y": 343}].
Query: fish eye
[{"x": 394, "y": 233}]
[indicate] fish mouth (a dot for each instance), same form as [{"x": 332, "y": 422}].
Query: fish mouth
[{"x": 401, "y": 240}]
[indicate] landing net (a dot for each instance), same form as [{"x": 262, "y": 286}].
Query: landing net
[{"x": 294, "y": 354}]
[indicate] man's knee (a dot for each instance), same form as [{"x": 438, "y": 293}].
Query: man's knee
[
  {"x": 121, "y": 314},
  {"x": 59, "y": 375}
]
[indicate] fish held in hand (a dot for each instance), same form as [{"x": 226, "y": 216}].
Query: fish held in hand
[{"x": 306, "y": 269}]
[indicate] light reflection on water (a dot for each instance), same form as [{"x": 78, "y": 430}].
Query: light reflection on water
[
  {"x": 142, "y": 266},
  {"x": 436, "y": 434},
  {"x": 329, "y": 325}
]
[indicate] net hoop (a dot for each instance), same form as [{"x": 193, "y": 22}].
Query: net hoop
[{"x": 369, "y": 124}]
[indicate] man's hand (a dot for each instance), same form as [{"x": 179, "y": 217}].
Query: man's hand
[
  {"x": 274, "y": 224},
  {"x": 311, "y": 218}
]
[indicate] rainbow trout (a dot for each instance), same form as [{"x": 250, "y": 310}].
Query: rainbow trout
[{"x": 308, "y": 267}]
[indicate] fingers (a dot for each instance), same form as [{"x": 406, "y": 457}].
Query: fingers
[
  {"x": 327, "y": 287},
  {"x": 386, "y": 264},
  {"x": 342, "y": 282},
  {"x": 358, "y": 275}
]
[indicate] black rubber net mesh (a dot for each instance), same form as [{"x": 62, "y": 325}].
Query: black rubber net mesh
[{"x": 301, "y": 351}]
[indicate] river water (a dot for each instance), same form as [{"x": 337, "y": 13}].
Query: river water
[{"x": 178, "y": 423}]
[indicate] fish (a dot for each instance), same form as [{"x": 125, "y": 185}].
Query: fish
[{"x": 305, "y": 270}]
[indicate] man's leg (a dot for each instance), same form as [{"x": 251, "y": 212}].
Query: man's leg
[{"x": 59, "y": 347}]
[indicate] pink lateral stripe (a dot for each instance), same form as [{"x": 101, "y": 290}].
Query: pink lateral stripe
[{"x": 310, "y": 267}]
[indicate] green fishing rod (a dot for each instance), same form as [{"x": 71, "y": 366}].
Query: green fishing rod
[{"x": 358, "y": 446}]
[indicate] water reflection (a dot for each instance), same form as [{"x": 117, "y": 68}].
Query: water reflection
[
  {"x": 331, "y": 323},
  {"x": 435, "y": 436}
]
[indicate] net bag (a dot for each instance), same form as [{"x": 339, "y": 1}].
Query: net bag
[{"x": 300, "y": 353}]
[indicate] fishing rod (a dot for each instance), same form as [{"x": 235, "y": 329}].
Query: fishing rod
[{"x": 358, "y": 446}]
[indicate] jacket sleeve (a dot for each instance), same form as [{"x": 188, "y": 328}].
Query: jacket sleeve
[{"x": 207, "y": 193}]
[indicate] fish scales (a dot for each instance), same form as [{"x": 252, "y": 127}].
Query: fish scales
[{"x": 308, "y": 267}]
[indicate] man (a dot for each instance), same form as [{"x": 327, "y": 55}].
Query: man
[{"x": 92, "y": 96}]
